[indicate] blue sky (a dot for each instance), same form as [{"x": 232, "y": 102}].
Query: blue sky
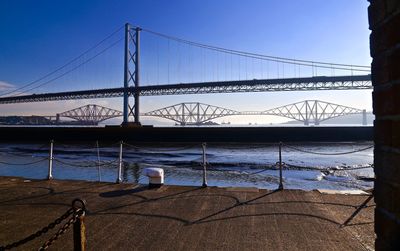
[{"x": 39, "y": 36}]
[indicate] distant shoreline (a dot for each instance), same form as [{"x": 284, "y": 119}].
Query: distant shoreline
[{"x": 188, "y": 134}]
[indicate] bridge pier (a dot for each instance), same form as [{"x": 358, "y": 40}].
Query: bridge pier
[{"x": 364, "y": 117}]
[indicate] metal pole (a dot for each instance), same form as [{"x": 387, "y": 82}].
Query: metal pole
[
  {"x": 137, "y": 75},
  {"x": 119, "y": 179},
  {"x": 79, "y": 228},
  {"x": 50, "y": 174},
  {"x": 203, "y": 146},
  {"x": 98, "y": 160},
  {"x": 126, "y": 74},
  {"x": 80, "y": 234},
  {"x": 280, "y": 167}
]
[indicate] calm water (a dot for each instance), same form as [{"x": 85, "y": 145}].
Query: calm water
[{"x": 228, "y": 164}]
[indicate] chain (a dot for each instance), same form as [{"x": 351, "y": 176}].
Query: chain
[
  {"x": 23, "y": 164},
  {"x": 320, "y": 153},
  {"x": 62, "y": 230},
  {"x": 40, "y": 232},
  {"x": 76, "y": 212},
  {"x": 104, "y": 163}
]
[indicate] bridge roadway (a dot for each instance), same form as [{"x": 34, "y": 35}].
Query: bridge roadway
[{"x": 356, "y": 82}]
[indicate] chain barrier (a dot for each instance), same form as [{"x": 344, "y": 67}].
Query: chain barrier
[
  {"x": 23, "y": 164},
  {"x": 319, "y": 153},
  {"x": 238, "y": 147},
  {"x": 89, "y": 148},
  {"x": 198, "y": 163},
  {"x": 154, "y": 150},
  {"x": 326, "y": 169},
  {"x": 24, "y": 155},
  {"x": 95, "y": 164},
  {"x": 75, "y": 211}
]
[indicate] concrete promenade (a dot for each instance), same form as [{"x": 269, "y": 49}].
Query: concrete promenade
[{"x": 130, "y": 217}]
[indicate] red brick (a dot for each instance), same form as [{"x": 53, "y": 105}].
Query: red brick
[
  {"x": 393, "y": 63},
  {"x": 382, "y": 102},
  {"x": 396, "y": 133},
  {"x": 377, "y": 44},
  {"x": 381, "y": 245},
  {"x": 386, "y": 195},
  {"x": 387, "y": 133},
  {"x": 392, "y": 29},
  {"x": 376, "y": 13},
  {"x": 385, "y": 37},
  {"x": 386, "y": 101},
  {"x": 381, "y": 132},
  {"x": 380, "y": 69},
  {"x": 388, "y": 229},
  {"x": 386, "y": 67},
  {"x": 391, "y": 6}
]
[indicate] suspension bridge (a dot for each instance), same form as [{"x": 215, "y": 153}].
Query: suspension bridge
[
  {"x": 261, "y": 81},
  {"x": 195, "y": 113}
]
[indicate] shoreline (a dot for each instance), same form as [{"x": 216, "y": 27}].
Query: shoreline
[{"x": 188, "y": 134}]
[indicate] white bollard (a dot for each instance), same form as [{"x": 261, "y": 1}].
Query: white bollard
[{"x": 156, "y": 176}]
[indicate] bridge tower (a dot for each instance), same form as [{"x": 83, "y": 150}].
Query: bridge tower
[{"x": 131, "y": 75}]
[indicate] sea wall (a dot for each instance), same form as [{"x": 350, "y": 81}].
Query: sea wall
[{"x": 187, "y": 134}]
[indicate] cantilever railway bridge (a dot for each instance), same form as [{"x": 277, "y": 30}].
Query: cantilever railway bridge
[{"x": 195, "y": 113}]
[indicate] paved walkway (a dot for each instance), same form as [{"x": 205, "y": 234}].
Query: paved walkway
[{"x": 128, "y": 217}]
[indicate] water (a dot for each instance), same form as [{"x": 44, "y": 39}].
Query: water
[{"x": 244, "y": 165}]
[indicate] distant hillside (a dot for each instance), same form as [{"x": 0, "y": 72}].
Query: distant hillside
[{"x": 354, "y": 119}]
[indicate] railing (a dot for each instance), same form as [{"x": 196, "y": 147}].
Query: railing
[
  {"x": 201, "y": 162},
  {"x": 75, "y": 215}
]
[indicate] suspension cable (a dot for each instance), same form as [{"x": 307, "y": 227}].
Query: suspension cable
[
  {"x": 65, "y": 65},
  {"x": 76, "y": 67},
  {"x": 318, "y": 64}
]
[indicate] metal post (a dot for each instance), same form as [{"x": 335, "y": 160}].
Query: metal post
[
  {"x": 119, "y": 179},
  {"x": 80, "y": 234},
  {"x": 203, "y": 146},
  {"x": 126, "y": 74},
  {"x": 280, "y": 167},
  {"x": 79, "y": 228},
  {"x": 98, "y": 160},
  {"x": 137, "y": 75},
  {"x": 50, "y": 174}
]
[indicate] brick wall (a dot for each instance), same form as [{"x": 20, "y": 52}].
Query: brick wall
[{"x": 384, "y": 21}]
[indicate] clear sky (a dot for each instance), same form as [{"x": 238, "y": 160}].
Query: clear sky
[{"x": 39, "y": 36}]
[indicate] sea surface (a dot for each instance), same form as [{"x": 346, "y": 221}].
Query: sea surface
[{"x": 307, "y": 166}]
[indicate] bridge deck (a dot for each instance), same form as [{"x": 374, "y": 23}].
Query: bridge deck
[
  {"x": 356, "y": 82},
  {"x": 126, "y": 217}
]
